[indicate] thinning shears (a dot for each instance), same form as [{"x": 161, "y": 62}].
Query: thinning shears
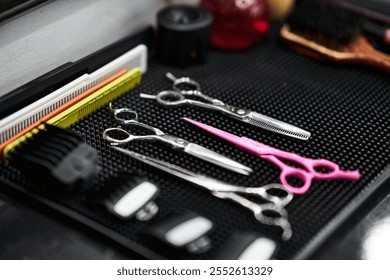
[
  {"x": 113, "y": 135},
  {"x": 305, "y": 174},
  {"x": 177, "y": 97},
  {"x": 272, "y": 212}
]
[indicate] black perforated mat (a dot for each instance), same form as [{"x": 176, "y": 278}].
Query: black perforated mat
[{"x": 346, "y": 108}]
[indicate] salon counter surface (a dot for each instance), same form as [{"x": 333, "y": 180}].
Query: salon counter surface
[
  {"x": 27, "y": 233},
  {"x": 30, "y": 233}
]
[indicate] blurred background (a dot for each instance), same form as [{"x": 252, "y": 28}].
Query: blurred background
[{"x": 37, "y": 36}]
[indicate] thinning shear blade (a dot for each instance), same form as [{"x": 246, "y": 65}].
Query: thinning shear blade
[
  {"x": 241, "y": 114},
  {"x": 276, "y": 126}
]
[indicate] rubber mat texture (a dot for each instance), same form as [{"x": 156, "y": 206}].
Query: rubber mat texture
[{"x": 345, "y": 107}]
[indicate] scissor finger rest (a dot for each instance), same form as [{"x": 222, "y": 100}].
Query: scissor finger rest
[
  {"x": 334, "y": 170},
  {"x": 329, "y": 168},
  {"x": 111, "y": 108}
]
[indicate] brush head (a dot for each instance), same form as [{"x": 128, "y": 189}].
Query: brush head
[{"x": 326, "y": 24}]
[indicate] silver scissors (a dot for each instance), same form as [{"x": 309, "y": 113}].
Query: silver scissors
[
  {"x": 272, "y": 212},
  {"x": 177, "y": 97},
  {"x": 176, "y": 143}
]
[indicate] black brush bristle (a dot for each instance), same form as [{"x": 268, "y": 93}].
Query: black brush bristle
[{"x": 325, "y": 23}]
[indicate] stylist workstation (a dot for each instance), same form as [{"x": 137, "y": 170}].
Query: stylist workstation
[{"x": 194, "y": 130}]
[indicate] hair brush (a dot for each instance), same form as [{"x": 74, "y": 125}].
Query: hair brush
[{"x": 325, "y": 31}]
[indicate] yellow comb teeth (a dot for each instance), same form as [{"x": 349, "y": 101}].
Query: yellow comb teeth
[
  {"x": 85, "y": 107},
  {"x": 11, "y": 146},
  {"x": 98, "y": 99}
]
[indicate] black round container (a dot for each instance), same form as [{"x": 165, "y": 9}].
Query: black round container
[{"x": 183, "y": 34}]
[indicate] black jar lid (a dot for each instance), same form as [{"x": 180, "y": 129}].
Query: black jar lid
[{"x": 184, "y": 18}]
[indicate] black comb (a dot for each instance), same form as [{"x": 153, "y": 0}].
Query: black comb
[{"x": 56, "y": 156}]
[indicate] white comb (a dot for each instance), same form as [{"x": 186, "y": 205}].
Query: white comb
[{"x": 16, "y": 122}]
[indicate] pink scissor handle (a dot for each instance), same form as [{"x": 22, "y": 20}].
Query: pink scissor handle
[
  {"x": 307, "y": 177},
  {"x": 305, "y": 174},
  {"x": 331, "y": 167},
  {"x": 334, "y": 170},
  {"x": 300, "y": 174},
  {"x": 308, "y": 173},
  {"x": 309, "y": 164}
]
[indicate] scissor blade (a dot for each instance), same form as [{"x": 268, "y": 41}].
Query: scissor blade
[
  {"x": 215, "y": 158},
  {"x": 182, "y": 173},
  {"x": 162, "y": 165},
  {"x": 276, "y": 126}
]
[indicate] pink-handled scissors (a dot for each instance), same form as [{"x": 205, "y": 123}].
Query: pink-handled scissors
[{"x": 305, "y": 174}]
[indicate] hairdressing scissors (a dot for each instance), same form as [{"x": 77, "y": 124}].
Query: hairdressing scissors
[
  {"x": 272, "y": 212},
  {"x": 175, "y": 142},
  {"x": 305, "y": 174},
  {"x": 177, "y": 97}
]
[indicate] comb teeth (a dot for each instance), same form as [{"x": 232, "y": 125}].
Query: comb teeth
[
  {"x": 276, "y": 129},
  {"x": 55, "y": 156},
  {"x": 44, "y": 149},
  {"x": 98, "y": 99},
  {"x": 49, "y": 137}
]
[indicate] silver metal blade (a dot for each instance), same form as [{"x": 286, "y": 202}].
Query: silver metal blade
[
  {"x": 215, "y": 158},
  {"x": 276, "y": 126},
  {"x": 182, "y": 173},
  {"x": 162, "y": 165}
]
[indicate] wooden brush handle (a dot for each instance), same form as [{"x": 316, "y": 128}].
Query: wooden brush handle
[
  {"x": 365, "y": 53},
  {"x": 359, "y": 52}
]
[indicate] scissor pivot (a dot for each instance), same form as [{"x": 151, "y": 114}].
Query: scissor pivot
[
  {"x": 241, "y": 111},
  {"x": 180, "y": 141}
]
